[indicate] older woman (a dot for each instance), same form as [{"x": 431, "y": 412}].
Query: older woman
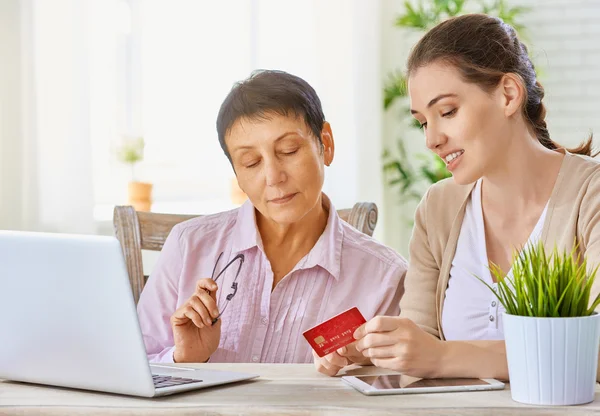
[{"x": 243, "y": 285}]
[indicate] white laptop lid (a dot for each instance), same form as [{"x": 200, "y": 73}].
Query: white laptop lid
[{"x": 67, "y": 315}]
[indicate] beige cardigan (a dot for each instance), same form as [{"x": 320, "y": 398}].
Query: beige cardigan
[{"x": 573, "y": 215}]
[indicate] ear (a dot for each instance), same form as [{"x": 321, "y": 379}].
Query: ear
[
  {"x": 512, "y": 93},
  {"x": 328, "y": 144}
]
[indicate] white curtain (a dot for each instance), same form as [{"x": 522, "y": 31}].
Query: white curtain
[{"x": 46, "y": 182}]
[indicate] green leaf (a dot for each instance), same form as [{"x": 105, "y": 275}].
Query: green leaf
[
  {"x": 428, "y": 174},
  {"x": 415, "y": 19},
  {"x": 556, "y": 284},
  {"x": 395, "y": 87}
]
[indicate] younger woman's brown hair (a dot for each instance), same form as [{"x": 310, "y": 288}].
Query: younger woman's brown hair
[{"x": 484, "y": 49}]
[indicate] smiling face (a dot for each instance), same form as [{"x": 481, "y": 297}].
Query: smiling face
[
  {"x": 280, "y": 164},
  {"x": 463, "y": 124}
]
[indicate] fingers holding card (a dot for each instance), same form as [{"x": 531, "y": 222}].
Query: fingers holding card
[
  {"x": 335, "y": 333},
  {"x": 354, "y": 356},
  {"x": 331, "y": 364}
]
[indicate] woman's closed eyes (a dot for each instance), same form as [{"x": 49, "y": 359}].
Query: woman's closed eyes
[
  {"x": 255, "y": 163},
  {"x": 448, "y": 114}
]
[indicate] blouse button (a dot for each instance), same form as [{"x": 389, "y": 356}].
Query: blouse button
[
  {"x": 493, "y": 303},
  {"x": 491, "y": 318}
]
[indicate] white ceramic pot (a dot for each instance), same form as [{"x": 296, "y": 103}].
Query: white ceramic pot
[{"x": 552, "y": 361}]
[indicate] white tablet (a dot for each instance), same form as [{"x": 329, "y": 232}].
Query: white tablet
[{"x": 400, "y": 384}]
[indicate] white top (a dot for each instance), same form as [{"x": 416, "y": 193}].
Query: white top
[{"x": 471, "y": 311}]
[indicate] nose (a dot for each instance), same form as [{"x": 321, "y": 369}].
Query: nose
[
  {"x": 434, "y": 138},
  {"x": 274, "y": 172}
]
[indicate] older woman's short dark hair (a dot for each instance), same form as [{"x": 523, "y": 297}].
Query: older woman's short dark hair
[{"x": 266, "y": 93}]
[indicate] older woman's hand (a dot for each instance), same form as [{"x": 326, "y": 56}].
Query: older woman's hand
[
  {"x": 399, "y": 344},
  {"x": 195, "y": 334},
  {"x": 332, "y": 363}
]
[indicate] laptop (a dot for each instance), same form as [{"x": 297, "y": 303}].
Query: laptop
[{"x": 68, "y": 318}]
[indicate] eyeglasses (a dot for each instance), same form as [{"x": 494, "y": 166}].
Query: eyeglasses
[{"x": 234, "y": 285}]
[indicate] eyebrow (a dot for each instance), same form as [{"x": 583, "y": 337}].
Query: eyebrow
[
  {"x": 284, "y": 135},
  {"x": 435, "y": 100}
]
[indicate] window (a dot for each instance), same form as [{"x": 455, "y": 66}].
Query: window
[{"x": 161, "y": 69}]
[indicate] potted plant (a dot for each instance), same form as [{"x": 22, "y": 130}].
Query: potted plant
[
  {"x": 551, "y": 330},
  {"x": 131, "y": 151}
]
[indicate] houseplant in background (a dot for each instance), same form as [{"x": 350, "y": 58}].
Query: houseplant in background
[
  {"x": 131, "y": 152},
  {"x": 551, "y": 331},
  {"x": 411, "y": 176}
]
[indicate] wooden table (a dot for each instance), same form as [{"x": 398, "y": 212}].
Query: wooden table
[{"x": 282, "y": 389}]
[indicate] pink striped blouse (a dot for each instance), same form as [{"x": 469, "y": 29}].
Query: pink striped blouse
[{"x": 344, "y": 269}]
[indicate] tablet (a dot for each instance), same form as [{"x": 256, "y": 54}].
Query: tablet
[{"x": 401, "y": 384}]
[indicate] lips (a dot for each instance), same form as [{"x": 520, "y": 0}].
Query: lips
[
  {"x": 452, "y": 164},
  {"x": 283, "y": 199},
  {"x": 449, "y": 157}
]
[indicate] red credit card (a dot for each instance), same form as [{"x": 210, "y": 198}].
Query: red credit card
[{"x": 334, "y": 333}]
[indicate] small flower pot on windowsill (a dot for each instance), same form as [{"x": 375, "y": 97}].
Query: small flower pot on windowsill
[{"x": 140, "y": 195}]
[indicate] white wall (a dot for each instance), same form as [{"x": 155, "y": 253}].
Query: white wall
[
  {"x": 10, "y": 114},
  {"x": 564, "y": 39}
]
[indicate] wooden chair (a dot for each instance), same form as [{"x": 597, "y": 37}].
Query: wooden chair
[{"x": 139, "y": 231}]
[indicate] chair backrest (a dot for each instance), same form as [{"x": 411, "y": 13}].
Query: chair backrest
[{"x": 139, "y": 231}]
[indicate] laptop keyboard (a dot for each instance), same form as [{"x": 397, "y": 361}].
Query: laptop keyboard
[{"x": 168, "y": 381}]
